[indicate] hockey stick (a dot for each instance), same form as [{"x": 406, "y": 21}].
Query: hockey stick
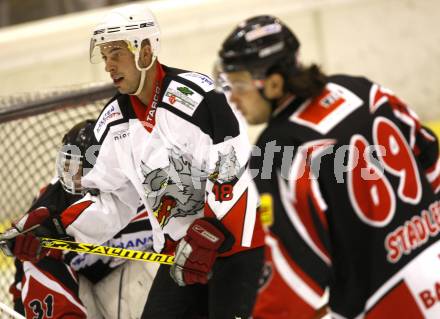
[
  {"x": 86, "y": 248},
  {"x": 12, "y": 313},
  {"x": 106, "y": 251}
]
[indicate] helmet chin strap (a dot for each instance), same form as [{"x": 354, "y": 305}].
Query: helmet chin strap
[
  {"x": 143, "y": 73},
  {"x": 141, "y": 82}
]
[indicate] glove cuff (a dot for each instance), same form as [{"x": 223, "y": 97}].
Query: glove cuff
[{"x": 214, "y": 234}]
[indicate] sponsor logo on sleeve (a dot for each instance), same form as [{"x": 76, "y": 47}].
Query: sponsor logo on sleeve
[
  {"x": 182, "y": 98},
  {"x": 121, "y": 134},
  {"x": 110, "y": 114},
  {"x": 201, "y": 80}
]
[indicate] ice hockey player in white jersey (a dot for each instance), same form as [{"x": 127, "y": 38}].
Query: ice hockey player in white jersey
[{"x": 170, "y": 139}]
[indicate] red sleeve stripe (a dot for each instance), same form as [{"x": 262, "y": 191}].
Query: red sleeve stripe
[
  {"x": 295, "y": 277},
  {"x": 304, "y": 212},
  {"x": 304, "y": 226},
  {"x": 234, "y": 221},
  {"x": 317, "y": 196},
  {"x": 412, "y": 123},
  {"x": 380, "y": 95},
  {"x": 234, "y": 217},
  {"x": 319, "y": 204},
  {"x": 139, "y": 216},
  {"x": 426, "y": 135},
  {"x": 72, "y": 212},
  {"x": 306, "y": 151},
  {"x": 433, "y": 176},
  {"x": 436, "y": 184},
  {"x": 433, "y": 172},
  {"x": 377, "y": 98},
  {"x": 303, "y": 186}
]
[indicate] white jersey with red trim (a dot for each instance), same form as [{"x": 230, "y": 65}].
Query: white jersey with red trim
[
  {"x": 136, "y": 235},
  {"x": 355, "y": 202},
  {"x": 185, "y": 156}
]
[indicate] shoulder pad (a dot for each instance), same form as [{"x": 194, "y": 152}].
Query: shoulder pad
[
  {"x": 112, "y": 112},
  {"x": 203, "y": 81},
  {"x": 182, "y": 97}
]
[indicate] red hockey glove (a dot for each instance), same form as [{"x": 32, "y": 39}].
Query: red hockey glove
[
  {"x": 27, "y": 248},
  {"x": 197, "y": 251},
  {"x": 21, "y": 241}
]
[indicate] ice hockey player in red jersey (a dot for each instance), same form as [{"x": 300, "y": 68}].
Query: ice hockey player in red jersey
[
  {"x": 49, "y": 284},
  {"x": 352, "y": 178},
  {"x": 168, "y": 140}
]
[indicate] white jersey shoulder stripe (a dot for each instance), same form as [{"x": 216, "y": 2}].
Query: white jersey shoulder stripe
[
  {"x": 205, "y": 82},
  {"x": 111, "y": 113}
]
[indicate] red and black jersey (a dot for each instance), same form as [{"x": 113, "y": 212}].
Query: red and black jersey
[
  {"x": 49, "y": 288},
  {"x": 354, "y": 188}
]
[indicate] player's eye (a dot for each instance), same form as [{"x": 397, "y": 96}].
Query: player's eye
[{"x": 115, "y": 55}]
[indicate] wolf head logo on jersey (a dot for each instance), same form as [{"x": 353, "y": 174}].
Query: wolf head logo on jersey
[
  {"x": 176, "y": 190},
  {"x": 227, "y": 168}
]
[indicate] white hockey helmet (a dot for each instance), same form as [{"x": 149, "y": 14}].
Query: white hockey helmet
[{"x": 132, "y": 24}]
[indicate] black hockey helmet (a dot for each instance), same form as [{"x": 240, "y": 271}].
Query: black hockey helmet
[
  {"x": 71, "y": 165},
  {"x": 257, "y": 45}
]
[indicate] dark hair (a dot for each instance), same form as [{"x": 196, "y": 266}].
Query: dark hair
[
  {"x": 307, "y": 82},
  {"x": 303, "y": 81}
]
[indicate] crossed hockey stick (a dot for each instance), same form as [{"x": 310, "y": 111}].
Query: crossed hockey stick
[
  {"x": 78, "y": 247},
  {"x": 91, "y": 249},
  {"x": 106, "y": 251}
]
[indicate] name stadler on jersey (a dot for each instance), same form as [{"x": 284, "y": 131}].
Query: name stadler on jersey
[{"x": 413, "y": 233}]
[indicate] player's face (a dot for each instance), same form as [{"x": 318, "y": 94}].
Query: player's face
[
  {"x": 76, "y": 177},
  {"x": 247, "y": 98},
  {"x": 70, "y": 173},
  {"x": 120, "y": 64}
]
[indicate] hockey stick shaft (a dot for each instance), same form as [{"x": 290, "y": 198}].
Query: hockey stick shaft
[
  {"x": 12, "y": 313},
  {"x": 106, "y": 251}
]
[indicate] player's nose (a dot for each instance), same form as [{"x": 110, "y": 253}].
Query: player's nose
[{"x": 109, "y": 66}]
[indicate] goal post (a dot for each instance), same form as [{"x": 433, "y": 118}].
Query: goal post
[{"x": 31, "y": 128}]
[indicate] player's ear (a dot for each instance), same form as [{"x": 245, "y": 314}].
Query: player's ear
[
  {"x": 273, "y": 86},
  {"x": 146, "y": 53}
]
